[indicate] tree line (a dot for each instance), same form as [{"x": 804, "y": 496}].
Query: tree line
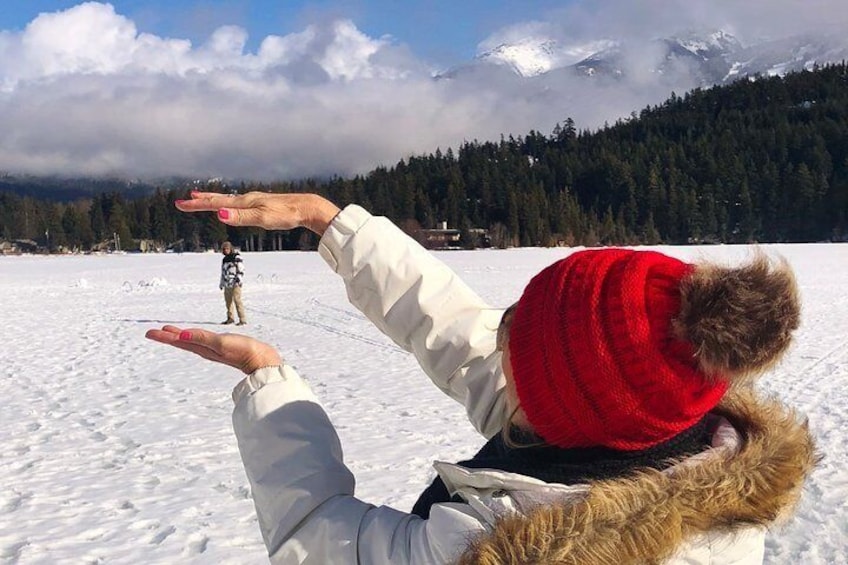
[{"x": 762, "y": 160}]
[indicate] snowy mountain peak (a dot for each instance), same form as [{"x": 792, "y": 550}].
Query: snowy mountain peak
[
  {"x": 706, "y": 45},
  {"x": 529, "y": 57},
  {"x": 684, "y": 60},
  {"x": 538, "y": 55}
]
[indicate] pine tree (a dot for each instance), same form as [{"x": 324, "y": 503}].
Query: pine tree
[
  {"x": 98, "y": 222},
  {"x": 162, "y": 224}
]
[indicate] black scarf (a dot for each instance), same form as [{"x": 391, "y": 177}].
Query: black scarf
[{"x": 567, "y": 466}]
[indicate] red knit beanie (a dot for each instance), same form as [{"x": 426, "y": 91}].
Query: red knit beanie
[{"x": 594, "y": 355}]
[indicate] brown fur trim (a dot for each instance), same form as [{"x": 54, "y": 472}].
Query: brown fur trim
[
  {"x": 646, "y": 517},
  {"x": 740, "y": 319}
]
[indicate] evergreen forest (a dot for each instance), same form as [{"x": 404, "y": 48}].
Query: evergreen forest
[{"x": 764, "y": 159}]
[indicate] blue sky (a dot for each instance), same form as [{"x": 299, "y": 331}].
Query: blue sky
[{"x": 440, "y": 31}]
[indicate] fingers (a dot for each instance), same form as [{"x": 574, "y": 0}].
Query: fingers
[
  {"x": 194, "y": 337},
  {"x": 241, "y": 352},
  {"x": 212, "y": 201},
  {"x": 167, "y": 335},
  {"x": 209, "y": 203},
  {"x": 231, "y": 210},
  {"x": 265, "y": 210},
  {"x": 204, "y": 343},
  {"x": 196, "y": 194},
  {"x": 240, "y": 217},
  {"x": 201, "y": 338}
]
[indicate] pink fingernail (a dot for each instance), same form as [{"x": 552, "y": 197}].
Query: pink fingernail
[
  {"x": 194, "y": 193},
  {"x": 224, "y": 214},
  {"x": 185, "y": 336},
  {"x": 178, "y": 201}
]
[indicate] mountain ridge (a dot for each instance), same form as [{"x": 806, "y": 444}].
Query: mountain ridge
[{"x": 707, "y": 58}]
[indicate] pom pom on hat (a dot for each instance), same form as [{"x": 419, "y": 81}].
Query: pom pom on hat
[
  {"x": 626, "y": 349},
  {"x": 740, "y": 319}
]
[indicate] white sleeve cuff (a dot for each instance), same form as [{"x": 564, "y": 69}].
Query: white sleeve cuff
[
  {"x": 341, "y": 229},
  {"x": 261, "y": 377}
]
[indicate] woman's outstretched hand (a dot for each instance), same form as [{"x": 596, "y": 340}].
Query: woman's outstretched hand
[
  {"x": 244, "y": 353},
  {"x": 265, "y": 209}
]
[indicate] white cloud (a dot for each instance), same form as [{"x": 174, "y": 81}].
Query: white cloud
[
  {"x": 83, "y": 91},
  {"x": 348, "y": 54}
]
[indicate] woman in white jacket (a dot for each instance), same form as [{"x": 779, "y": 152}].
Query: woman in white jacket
[{"x": 614, "y": 434}]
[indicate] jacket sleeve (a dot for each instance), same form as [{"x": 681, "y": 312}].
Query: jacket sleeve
[
  {"x": 418, "y": 302},
  {"x": 303, "y": 492},
  {"x": 223, "y": 280},
  {"x": 239, "y": 277}
]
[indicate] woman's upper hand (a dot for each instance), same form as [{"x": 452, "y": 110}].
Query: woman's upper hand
[
  {"x": 244, "y": 353},
  {"x": 265, "y": 210}
]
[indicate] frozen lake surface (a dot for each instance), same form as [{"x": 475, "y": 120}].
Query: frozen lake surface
[{"x": 116, "y": 449}]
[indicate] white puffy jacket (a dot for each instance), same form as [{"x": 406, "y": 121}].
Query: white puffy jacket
[{"x": 304, "y": 493}]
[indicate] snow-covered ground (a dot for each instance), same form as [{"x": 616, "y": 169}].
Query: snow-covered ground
[{"x": 115, "y": 449}]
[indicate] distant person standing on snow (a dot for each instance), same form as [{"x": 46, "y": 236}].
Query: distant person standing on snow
[{"x": 232, "y": 275}]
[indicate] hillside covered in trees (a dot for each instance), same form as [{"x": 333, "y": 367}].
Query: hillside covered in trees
[{"x": 760, "y": 160}]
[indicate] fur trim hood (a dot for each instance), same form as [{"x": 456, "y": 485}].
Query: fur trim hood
[{"x": 647, "y": 517}]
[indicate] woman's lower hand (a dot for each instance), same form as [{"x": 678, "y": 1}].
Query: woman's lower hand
[
  {"x": 244, "y": 353},
  {"x": 265, "y": 210}
]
